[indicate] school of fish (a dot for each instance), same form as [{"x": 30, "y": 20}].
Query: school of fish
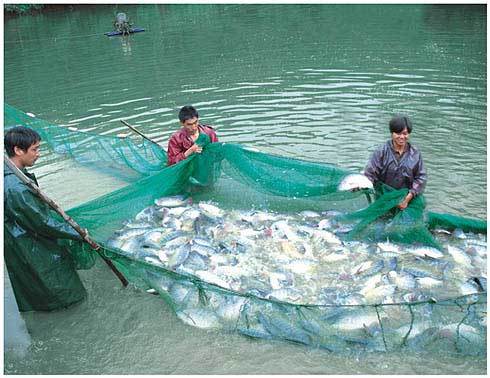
[{"x": 299, "y": 258}]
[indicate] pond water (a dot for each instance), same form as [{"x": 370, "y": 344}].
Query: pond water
[{"x": 316, "y": 82}]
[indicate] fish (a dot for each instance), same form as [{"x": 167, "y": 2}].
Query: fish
[
  {"x": 198, "y": 317},
  {"x": 176, "y": 242},
  {"x": 327, "y": 236},
  {"x": 426, "y": 252},
  {"x": 153, "y": 236},
  {"x": 285, "y": 294},
  {"x": 459, "y": 256},
  {"x": 379, "y": 294},
  {"x": 177, "y": 211},
  {"x": 130, "y": 245},
  {"x": 355, "y": 321},
  {"x": 402, "y": 281},
  {"x": 372, "y": 282},
  {"x": 154, "y": 261},
  {"x": 212, "y": 278},
  {"x": 297, "y": 257},
  {"x": 283, "y": 329},
  {"x": 309, "y": 214},
  {"x": 301, "y": 266},
  {"x": 388, "y": 247},
  {"x": 324, "y": 224},
  {"x": 280, "y": 280},
  {"x": 148, "y": 214},
  {"x": 203, "y": 250},
  {"x": 354, "y": 181},
  {"x": 195, "y": 261},
  {"x": 463, "y": 333},
  {"x": 172, "y": 201},
  {"x": 229, "y": 271},
  {"x": 428, "y": 282},
  {"x": 368, "y": 267},
  {"x": 392, "y": 263},
  {"x": 469, "y": 287},
  {"x": 283, "y": 230},
  {"x": 178, "y": 256},
  {"x": 210, "y": 210},
  {"x": 459, "y": 234},
  {"x": 416, "y": 272},
  {"x": 258, "y": 331},
  {"x": 481, "y": 283},
  {"x": 334, "y": 257},
  {"x": 231, "y": 308}
]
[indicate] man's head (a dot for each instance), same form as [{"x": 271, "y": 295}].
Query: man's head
[
  {"x": 22, "y": 145},
  {"x": 189, "y": 118},
  {"x": 400, "y": 129}
]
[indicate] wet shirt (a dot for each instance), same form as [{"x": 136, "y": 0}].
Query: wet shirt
[
  {"x": 398, "y": 171},
  {"x": 180, "y": 142}
]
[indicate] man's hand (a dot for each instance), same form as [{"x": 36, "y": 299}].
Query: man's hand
[
  {"x": 193, "y": 149},
  {"x": 403, "y": 205}
]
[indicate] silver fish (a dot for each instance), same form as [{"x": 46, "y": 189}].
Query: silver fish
[
  {"x": 428, "y": 282},
  {"x": 178, "y": 256},
  {"x": 199, "y": 317},
  {"x": 172, "y": 201},
  {"x": 210, "y": 210},
  {"x": 355, "y": 181},
  {"x": 426, "y": 252},
  {"x": 459, "y": 256}
]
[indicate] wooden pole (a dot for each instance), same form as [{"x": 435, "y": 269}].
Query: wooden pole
[
  {"x": 140, "y": 133},
  {"x": 83, "y": 233}
]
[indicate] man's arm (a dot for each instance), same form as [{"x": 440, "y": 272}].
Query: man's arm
[
  {"x": 420, "y": 178},
  {"x": 34, "y": 215},
  {"x": 373, "y": 166},
  {"x": 175, "y": 151}
]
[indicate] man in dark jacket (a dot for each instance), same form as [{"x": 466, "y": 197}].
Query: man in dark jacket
[
  {"x": 397, "y": 163},
  {"x": 42, "y": 271},
  {"x": 191, "y": 138}
]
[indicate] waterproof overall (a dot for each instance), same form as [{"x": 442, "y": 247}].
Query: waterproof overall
[{"x": 41, "y": 270}]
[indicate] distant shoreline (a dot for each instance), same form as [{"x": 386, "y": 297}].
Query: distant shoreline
[{"x": 15, "y": 10}]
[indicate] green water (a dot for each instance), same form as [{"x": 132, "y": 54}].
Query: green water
[{"x": 317, "y": 82}]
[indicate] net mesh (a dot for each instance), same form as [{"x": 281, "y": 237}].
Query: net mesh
[{"x": 239, "y": 178}]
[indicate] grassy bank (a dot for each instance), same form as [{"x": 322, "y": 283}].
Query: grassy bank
[{"x": 14, "y": 9}]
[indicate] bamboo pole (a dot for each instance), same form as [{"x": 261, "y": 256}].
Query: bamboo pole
[
  {"x": 140, "y": 133},
  {"x": 83, "y": 233}
]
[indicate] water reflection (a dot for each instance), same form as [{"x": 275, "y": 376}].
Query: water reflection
[{"x": 126, "y": 44}]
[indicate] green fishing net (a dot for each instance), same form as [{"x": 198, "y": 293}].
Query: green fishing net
[{"x": 236, "y": 177}]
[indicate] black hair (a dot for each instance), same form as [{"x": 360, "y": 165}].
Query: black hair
[
  {"x": 19, "y": 136},
  {"x": 398, "y": 123},
  {"x": 187, "y": 112}
]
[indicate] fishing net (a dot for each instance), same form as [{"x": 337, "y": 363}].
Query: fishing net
[{"x": 236, "y": 178}]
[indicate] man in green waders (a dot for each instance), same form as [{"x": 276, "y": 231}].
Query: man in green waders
[{"x": 42, "y": 271}]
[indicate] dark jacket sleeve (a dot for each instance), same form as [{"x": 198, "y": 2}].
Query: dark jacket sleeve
[
  {"x": 420, "y": 178},
  {"x": 175, "y": 151},
  {"x": 373, "y": 166},
  {"x": 34, "y": 216}
]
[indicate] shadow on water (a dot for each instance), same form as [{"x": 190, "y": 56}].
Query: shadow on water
[{"x": 446, "y": 17}]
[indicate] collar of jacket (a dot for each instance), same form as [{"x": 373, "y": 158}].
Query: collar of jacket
[{"x": 408, "y": 148}]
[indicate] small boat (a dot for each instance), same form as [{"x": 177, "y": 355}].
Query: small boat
[{"x": 115, "y": 32}]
